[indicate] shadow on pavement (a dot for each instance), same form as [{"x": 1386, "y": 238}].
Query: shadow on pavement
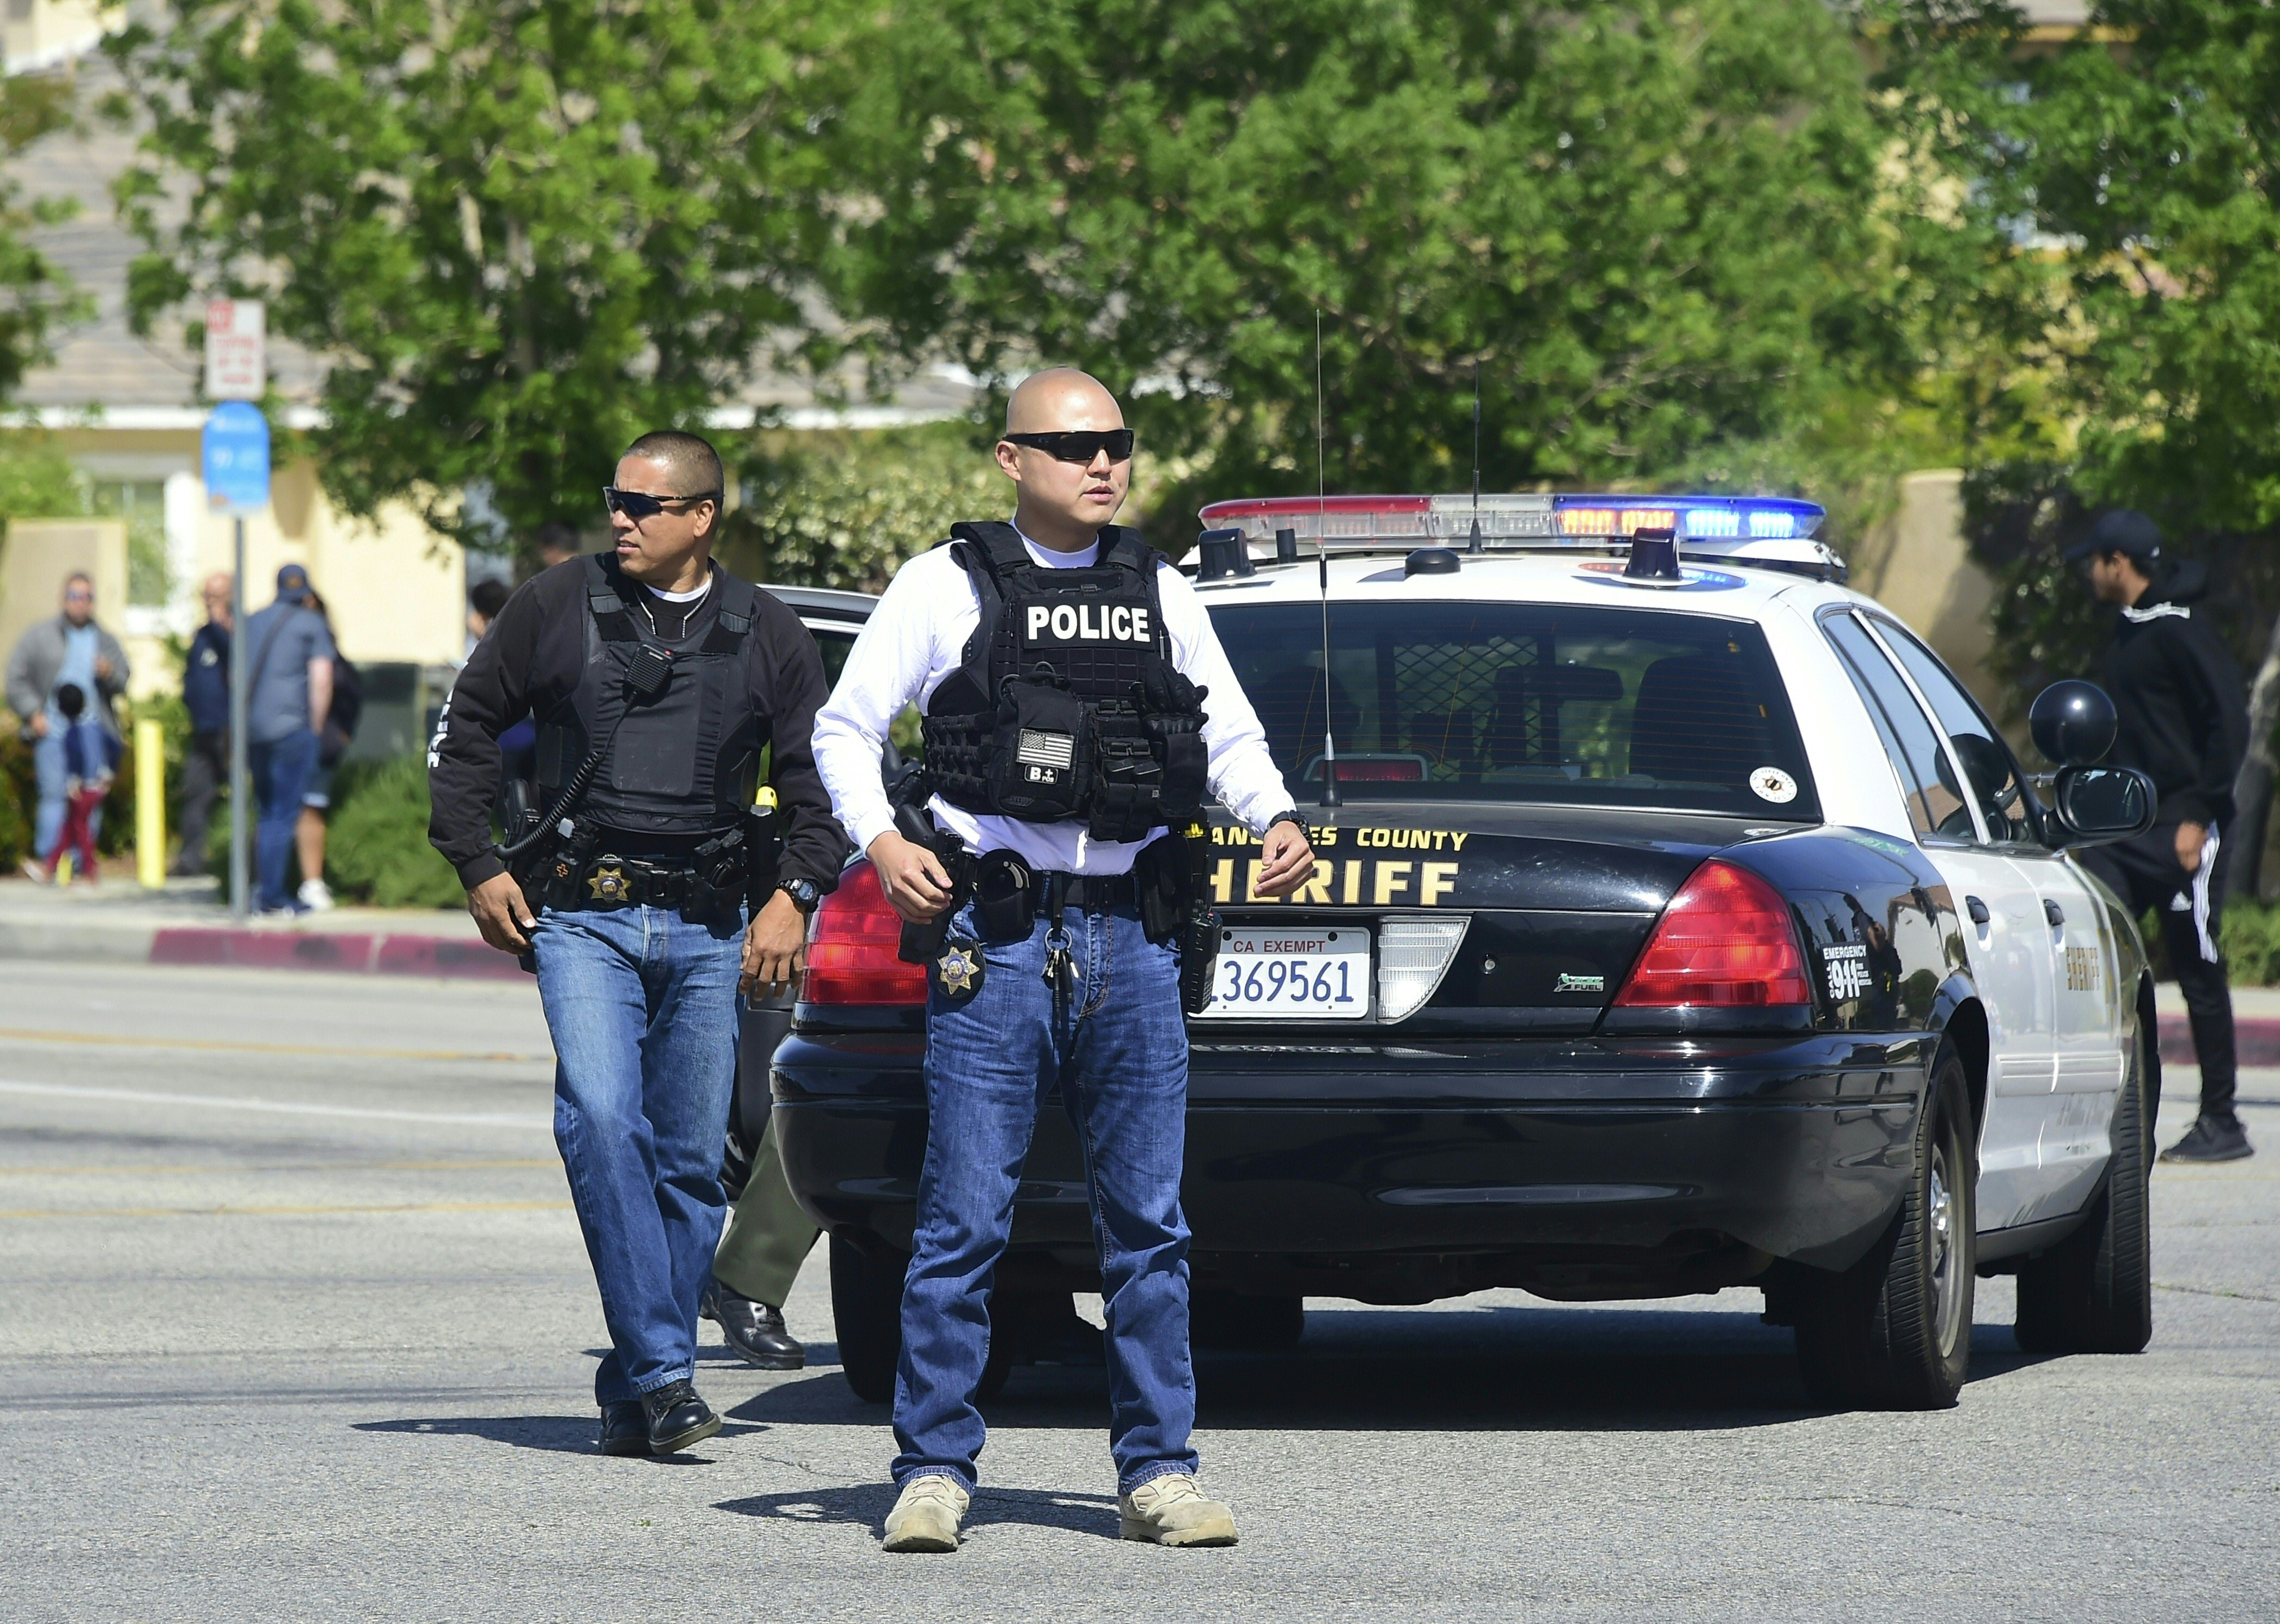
[
  {"x": 1489, "y": 1369},
  {"x": 561, "y": 1434},
  {"x": 866, "y": 1506}
]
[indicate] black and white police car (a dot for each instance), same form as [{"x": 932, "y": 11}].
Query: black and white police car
[{"x": 1679, "y": 922}]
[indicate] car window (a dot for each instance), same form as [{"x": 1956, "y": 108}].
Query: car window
[
  {"x": 1987, "y": 759},
  {"x": 833, "y": 644},
  {"x": 1524, "y": 702},
  {"x": 1935, "y": 803}
]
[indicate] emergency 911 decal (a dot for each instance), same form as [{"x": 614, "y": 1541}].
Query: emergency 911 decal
[{"x": 1848, "y": 971}]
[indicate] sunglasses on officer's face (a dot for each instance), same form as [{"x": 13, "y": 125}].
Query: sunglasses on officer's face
[
  {"x": 641, "y": 504},
  {"x": 1080, "y": 446}
]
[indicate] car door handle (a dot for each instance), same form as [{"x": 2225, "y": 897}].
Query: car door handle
[
  {"x": 1977, "y": 909},
  {"x": 2053, "y": 912}
]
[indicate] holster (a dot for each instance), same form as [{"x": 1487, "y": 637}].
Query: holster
[
  {"x": 922, "y": 944},
  {"x": 1198, "y": 920}
]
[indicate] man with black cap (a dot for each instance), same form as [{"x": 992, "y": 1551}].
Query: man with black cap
[
  {"x": 289, "y": 689},
  {"x": 2185, "y": 725}
]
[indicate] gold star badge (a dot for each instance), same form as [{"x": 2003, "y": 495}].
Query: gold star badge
[
  {"x": 959, "y": 971},
  {"x": 608, "y": 885}
]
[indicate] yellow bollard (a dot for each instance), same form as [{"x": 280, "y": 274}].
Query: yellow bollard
[{"x": 149, "y": 805}]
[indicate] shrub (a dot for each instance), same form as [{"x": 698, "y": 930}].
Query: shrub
[{"x": 377, "y": 851}]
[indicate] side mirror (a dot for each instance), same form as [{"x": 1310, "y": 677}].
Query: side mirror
[
  {"x": 2094, "y": 806},
  {"x": 2073, "y": 723}
]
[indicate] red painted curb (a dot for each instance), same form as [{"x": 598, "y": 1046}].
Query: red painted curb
[
  {"x": 378, "y": 955},
  {"x": 2257, "y": 1042}
]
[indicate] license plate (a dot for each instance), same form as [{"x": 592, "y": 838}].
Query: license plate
[{"x": 1287, "y": 975}]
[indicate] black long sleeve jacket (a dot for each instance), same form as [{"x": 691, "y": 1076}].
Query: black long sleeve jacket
[
  {"x": 2178, "y": 695},
  {"x": 529, "y": 662}
]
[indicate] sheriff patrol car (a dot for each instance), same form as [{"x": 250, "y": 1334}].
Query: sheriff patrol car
[{"x": 1679, "y": 923}]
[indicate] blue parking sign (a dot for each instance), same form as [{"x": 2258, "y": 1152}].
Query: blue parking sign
[{"x": 235, "y": 455}]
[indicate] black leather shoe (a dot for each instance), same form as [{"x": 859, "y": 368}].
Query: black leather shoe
[
  {"x": 624, "y": 1427},
  {"x": 753, "y": 1329},
  {"x": 677, "y": 1418}
]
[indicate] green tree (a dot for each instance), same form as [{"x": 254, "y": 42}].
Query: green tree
[
  {"x": 37, "y": 300},
  {"x": 2138, "y": 165},
  {"x": 1655, "y": 231},
  {"x": 845, "y": 508},
  {"x": 517, "y": 232}
]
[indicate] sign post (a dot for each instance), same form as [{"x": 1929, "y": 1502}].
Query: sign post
[
  {"x": 236, "y": 465},
  {"x": 236, "y": 468}
]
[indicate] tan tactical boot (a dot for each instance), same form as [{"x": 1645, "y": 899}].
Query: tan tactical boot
[
  {"x": 1172, "y": 1511},
  {"x": 926, "y": 1516}
]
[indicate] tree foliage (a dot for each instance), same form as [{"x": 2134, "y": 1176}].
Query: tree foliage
[
  {"x": 845, "y": 509},
  {"x": 518, "y": 232},
  {"x": 1655, "y": 231},
  {"x": 37, "y": 300},
  {"x": 2137, "y": 165}
]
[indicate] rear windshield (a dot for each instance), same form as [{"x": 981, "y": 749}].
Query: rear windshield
[{"x": 1525, "y": 702}]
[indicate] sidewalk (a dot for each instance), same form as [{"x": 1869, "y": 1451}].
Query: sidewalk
[{"x": 187, "y": 924}]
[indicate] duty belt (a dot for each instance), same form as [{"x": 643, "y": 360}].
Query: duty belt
[
  {"x": 608, "y": 880},
  {"x": 1086, "y": 893}
]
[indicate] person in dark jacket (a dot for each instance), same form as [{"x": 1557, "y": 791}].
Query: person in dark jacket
[
  {"x": 658, "y": 683},
  {"x": 2184, "y": 724},
  {"x": 205, "y": 695}
]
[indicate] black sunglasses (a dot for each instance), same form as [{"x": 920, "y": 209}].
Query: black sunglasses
[
  {"x": 641, "y": 504},
  {"x": 1080, "y": 446}
]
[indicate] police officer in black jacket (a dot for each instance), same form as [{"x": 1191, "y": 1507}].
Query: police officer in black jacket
[
  {"x": 2185, "y": 725},
  {"x": 641, "y": 883}
]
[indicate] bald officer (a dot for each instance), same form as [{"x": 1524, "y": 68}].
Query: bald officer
[{"x": 1071, "y": 988}]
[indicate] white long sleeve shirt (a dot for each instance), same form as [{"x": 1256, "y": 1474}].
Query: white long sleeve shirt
[{"x": 916, "y": 637}]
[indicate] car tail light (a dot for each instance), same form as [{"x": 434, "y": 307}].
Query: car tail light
[
  {"x": 1413, "y": 953},
  {"x": 850, "y": 954},
  {"x": 1725, "y": 942}
]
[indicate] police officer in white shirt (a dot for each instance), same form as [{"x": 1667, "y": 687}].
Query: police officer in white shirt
[{"x": 1094, "y": 707}]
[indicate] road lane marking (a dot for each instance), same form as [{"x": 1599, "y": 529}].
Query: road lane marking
[
  {"x": 150, "y": 1171},
  {"x": 112, "y": 1040},
  {"x": 217, "y": 1102},
  {"x": 289, "y": 1211}
]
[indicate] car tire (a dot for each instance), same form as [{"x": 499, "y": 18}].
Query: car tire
[
  {"x": 1893, "y": 1332},
  {"x": 1233, "y": 1321},
  {"x": 2093, "y": 1292},
  {"x": 867, "y": 1313}
]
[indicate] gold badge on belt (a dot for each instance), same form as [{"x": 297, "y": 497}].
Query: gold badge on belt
[
  {"x": 608, "y": 884},
  {"x": 958, "y": 972}
]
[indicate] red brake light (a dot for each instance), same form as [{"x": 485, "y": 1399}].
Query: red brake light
[
  {"x": 1373, "y": 769},
  {"x": 850, "y": 954},
  {"x": 1725, "y": 942}
]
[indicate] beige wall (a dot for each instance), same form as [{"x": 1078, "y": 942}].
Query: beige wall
[
  {"x": 1918, "y": 567},
  {"x": 396, "y": 589},
  {"x": 36, "y": 33}
]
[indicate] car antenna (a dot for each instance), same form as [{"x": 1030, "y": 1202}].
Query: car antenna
[
  {"x": 1323, "y": 559},
  {"x": 1476, "y": 546}
]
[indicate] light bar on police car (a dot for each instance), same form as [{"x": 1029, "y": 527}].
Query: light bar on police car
[{"x": 1772, "y": 530}]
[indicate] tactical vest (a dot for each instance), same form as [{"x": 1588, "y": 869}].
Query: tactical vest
[
  {"x": 685, "y": 763},
  {"x": 1068, "y": 704}
]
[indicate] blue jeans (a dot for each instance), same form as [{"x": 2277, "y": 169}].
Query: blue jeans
[
  {"x": 55, "y": 797},
  {"x": 280, "y": 769},
  {"x": 1118, "y": 1051},
  {"x": 641, "y": 1005}
]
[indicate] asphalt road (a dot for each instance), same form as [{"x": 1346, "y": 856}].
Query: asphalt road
[{"x": 295, "y": 1323}]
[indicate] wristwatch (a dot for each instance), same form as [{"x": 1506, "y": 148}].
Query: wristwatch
[
  {"x": 804, "y": 894},
  {"x": 1291, "y": 816}
]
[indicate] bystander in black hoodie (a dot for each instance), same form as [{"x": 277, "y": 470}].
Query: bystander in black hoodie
[{"x": 2183, "y": 716}]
